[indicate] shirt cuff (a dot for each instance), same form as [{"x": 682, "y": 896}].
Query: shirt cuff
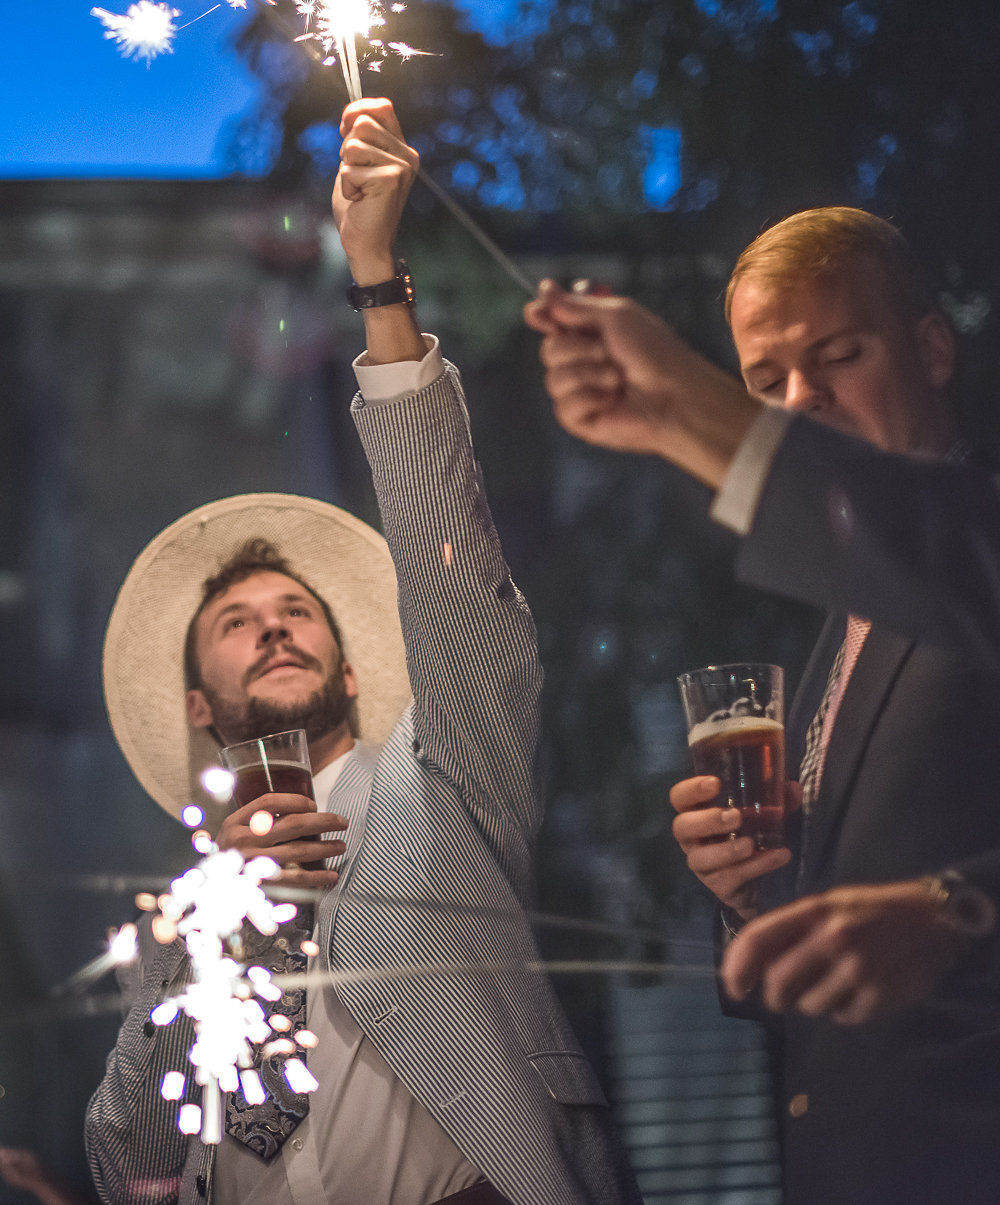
[
  {"x": 735, "y": 505},
  {"x": 383, "y": 383}
]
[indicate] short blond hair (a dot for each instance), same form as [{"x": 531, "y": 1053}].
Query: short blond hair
[{"x": 816, "y": 242}]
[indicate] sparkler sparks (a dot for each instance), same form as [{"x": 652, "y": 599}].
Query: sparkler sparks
[
  {"x": 144, "y": 31},
  {"x": 207, "y": 906},
  {"x": 148, "y": 28}
]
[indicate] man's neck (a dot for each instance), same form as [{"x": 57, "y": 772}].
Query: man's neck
[{"x": 326, "y": 749}]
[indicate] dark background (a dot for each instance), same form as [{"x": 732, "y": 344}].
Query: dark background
[{"x": 165, "y": 343}]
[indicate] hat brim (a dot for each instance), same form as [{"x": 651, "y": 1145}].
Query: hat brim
[{"x": 344, "y": 560}]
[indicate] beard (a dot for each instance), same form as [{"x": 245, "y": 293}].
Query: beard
[{"x": 319, "y": 713}]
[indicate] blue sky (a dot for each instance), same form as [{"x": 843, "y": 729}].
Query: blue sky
[{"x": 72, "y": 106}]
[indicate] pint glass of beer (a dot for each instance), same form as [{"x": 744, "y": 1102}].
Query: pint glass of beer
[
  {"x": 736, "y": 731},
  {"x": 277, "y": 762}
]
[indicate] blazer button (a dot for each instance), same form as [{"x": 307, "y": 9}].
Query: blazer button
[
  {"x": 798, "y": 1106},
  {"x": 148, "y": 1028}
]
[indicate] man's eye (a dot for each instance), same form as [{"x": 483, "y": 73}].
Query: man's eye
[
  {"x": 845, "y": 357},
  {"x": 233, "y": 623}
]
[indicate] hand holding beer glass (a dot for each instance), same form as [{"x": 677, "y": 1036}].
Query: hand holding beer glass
[
  {"x": 276, "y": 763},
  {"x": 736, "y": 732}
]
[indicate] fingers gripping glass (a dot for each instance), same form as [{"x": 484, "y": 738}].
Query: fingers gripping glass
[{"x": 278, "y": 763}]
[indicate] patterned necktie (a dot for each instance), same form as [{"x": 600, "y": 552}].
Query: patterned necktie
[
  {"x": 821, "y": 726},
  {"x": 264, "y": 1127}
]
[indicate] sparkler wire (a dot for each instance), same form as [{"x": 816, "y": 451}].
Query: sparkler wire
[
  {"x": 462, "y": 215},
  {"x": 457, "y": 211},
  {"x": 119, "y": 884},
  {"x": 57, "y": 1009}
]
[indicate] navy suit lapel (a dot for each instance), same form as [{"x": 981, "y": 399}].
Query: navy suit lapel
[{"x": 882, "y": 657}]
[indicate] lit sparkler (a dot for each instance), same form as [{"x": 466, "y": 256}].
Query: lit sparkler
[
  {"x": 207, "y": 906},
  {"x": 143, "y": 31},
  {"x": 148, "y": 28}
]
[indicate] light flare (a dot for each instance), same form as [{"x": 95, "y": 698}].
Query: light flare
[
  {"x": 172, "y": 1086},
  {"x": 300, "y": 1078},
  {"x": 261, "y": 823},
  {"x": 218, "y": 783},
  {"x": 123, "y": 945},
  {"x": 192, "y": 815},
  {"x": 189, "y": 1119}
]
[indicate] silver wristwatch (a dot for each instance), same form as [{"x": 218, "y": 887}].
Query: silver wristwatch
[{"x": 968, "y": 908}]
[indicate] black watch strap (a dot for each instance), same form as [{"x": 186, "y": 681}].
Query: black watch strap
[{"x": 398, "y": 291}]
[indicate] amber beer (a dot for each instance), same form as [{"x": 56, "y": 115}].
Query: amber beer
[
  {"x": 285, "y": 778},
  {"x": 747, "y": 754},
  {"x": 277, "y": 763}
]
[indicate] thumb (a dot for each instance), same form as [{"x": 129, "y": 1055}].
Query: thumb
[{"x": 576, "y": 310}]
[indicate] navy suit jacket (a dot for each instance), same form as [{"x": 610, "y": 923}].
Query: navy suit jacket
[{"x": 905, "y": 1109}]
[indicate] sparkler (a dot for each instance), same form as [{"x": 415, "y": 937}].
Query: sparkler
[
  {"x": 148, "y": 28},
  {"x": 144, "y": 31},
  {"x": 207, "y": 906}
]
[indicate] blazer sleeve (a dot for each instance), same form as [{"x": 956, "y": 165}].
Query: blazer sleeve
[
  {"x": 910, "y": 543},
  {"x": 471, "y": 646},
  {"x": 134, "y": 1148}
]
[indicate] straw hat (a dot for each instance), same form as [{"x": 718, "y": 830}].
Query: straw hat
[{"x": 343, "y": 559}]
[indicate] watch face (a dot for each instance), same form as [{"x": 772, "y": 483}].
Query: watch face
[
  {"x": 972, "y": 910},
  {"x": 968, "y": 908}
]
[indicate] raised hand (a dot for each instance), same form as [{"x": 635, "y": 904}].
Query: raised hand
[
  {"x": 620, "y": 377},
  {"x": 377, "y": 168}
]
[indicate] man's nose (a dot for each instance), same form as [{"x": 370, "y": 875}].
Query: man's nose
[
  {"x": 804, "y": 393},
  {"x": 272, "y": 628}
]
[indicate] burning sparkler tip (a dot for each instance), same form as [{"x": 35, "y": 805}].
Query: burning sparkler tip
[{"x": 145, "y": 30}]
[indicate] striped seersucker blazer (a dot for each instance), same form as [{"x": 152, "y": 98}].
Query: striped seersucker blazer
[{"x": 442, "y": 826}]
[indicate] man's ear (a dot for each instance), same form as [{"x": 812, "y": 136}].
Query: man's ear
[
  {"x": 350, "y": 681},
  {"x": 936, "y": 347},
  {"x": 199, "y": 712}
]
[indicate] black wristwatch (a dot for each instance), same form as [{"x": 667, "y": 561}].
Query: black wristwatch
[
  {"x": 968, "y": 908},
  {"x": 398, "y": 291}
]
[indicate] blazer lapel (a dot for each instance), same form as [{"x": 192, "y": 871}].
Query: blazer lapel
[
  {"x": 882, "y": 657},
  {"x": 349, "y": 798}
]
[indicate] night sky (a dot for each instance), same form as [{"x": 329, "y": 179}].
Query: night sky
[{"x": 73, "y": 106}]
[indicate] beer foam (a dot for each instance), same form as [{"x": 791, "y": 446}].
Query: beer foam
[{"x": 733, "y": 723}]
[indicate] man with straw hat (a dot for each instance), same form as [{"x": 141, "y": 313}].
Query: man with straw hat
[{"x": 265, "y": 612}]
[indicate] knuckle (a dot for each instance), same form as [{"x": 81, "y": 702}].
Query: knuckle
[{"x": 837, "y": 932}]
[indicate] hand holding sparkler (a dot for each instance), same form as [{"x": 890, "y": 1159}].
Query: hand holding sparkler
[
  {"x": 377, "y": 169},
  {"x": 621, "y": 378}
]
